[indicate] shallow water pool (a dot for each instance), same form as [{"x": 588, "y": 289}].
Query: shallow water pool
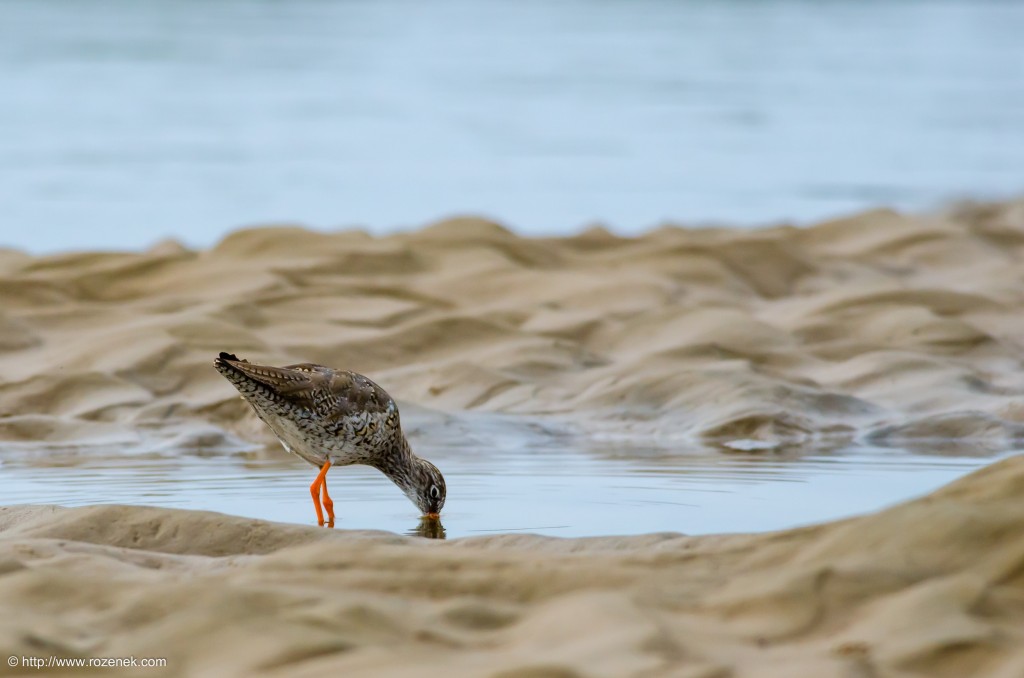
[{"x": 559, "y": 491}]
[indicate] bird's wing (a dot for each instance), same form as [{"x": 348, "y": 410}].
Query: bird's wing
[
  {"x": 287, "y": 383},
  {"x": 352, "y": 394},
  {"x": 333, "y": 394}
]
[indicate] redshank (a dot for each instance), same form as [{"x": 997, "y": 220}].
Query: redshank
[{"x": 334, "y": 417}]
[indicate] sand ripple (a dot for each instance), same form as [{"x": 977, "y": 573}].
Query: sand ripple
[{"x": 879, "y": 326}]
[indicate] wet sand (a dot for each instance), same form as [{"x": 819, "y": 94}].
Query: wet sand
[{"x": 880, "y": 328}]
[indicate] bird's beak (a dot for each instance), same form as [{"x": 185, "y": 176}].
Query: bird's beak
[{"x": 432, "y": 516}]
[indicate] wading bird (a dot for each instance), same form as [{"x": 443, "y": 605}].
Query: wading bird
[{"x": 335, "y": 418}]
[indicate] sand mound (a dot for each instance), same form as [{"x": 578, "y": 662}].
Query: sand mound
[
  {"x": 881, "y": 325},
  {"x": 893, "y": 329},
  {"x": 934, "y": 587}
]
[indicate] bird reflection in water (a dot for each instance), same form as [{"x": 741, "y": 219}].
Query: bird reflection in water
[{"x": 429, "y": 528}]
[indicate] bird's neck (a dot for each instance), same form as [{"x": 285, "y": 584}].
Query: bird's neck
[{"x": 397, "y": 461}]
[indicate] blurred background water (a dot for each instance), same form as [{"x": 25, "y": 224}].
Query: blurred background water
[{"x": 126, "y": 122}]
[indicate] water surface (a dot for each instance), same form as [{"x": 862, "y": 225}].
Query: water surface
[
  {"x": 546, "y": 490},
  {"x": 126, "y": 122}
]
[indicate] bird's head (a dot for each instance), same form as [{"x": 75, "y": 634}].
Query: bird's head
[{"x": 428, "y": 490}]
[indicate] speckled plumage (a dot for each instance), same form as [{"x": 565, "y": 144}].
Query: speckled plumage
[{"x": 326, "y": 415}]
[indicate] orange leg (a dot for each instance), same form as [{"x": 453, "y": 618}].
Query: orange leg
[
  {"x": 314, "y": 490},
  {"x": 328, "y": 503}
]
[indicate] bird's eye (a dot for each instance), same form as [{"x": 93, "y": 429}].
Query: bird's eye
[{"x": 435, "y": 493}]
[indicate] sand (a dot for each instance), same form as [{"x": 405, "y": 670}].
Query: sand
[
  {"x": 880, "y": 328},
  {"x": 931, "y": 588}
]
